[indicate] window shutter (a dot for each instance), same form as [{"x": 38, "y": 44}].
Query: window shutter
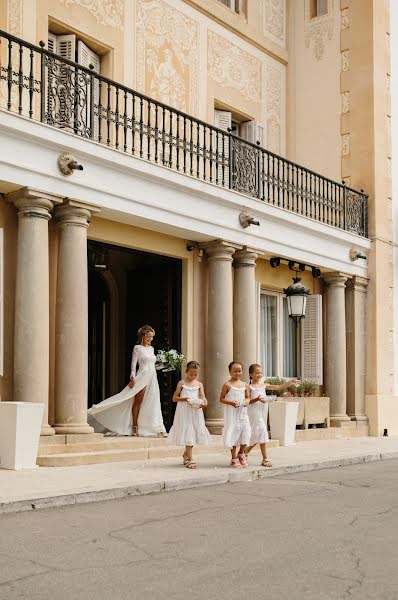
[
  {"x": 223, "y": 120},
  {"x": 86, "y": 57},
  {"x": 52, "y": 42},
  {"x": 66, "y": 46},
  {"x": 311, "y": 340},
  {"x": 252, "y": 131}
]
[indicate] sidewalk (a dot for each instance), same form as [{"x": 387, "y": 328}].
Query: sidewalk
[{"x": 46, "y": 486}]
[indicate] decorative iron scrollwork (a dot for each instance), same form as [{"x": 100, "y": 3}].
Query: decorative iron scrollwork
[{"x": 245, "y": 165}]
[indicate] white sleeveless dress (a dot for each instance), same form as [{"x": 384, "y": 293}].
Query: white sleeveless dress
[
  {"x": 258, "y": 416},
  {"x": 114, "y": 413},
  {"x": 189, "y": 427},
  {"x": 236, "y": 420}
]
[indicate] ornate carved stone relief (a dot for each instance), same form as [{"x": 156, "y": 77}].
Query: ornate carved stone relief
[
  {"x": 345, "y": 102},
  {"x": 345, "y": 60},
  {"x": 274, "y": 92},
  {"x": 318, "y": 28},
  {"x": 15, "y": 16},
  {"x": 345, "y": 149},
  {"x": 233, "y": 67},
  {"x": 106, "y": 12},
  {"x": 15, "y": 13},
  {"x": 345, "y": 18},
  {"x": 274, "y": 19},
  {"x": 167, "y": 53}
]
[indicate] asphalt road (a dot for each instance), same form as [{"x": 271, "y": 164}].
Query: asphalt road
[{"x": 329, "y": 534}]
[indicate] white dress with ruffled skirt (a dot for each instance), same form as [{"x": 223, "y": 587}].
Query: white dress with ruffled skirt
[
  {"x": 236, "y": 420},
  {"x": 189, "y": 427},
  {"x": 258, "y": 417},
  {"x": 114, "y": 414}
]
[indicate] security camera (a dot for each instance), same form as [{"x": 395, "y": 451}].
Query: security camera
[
  {"x": 355, "y": 254},
  {"x": 67, "y": 164},
  {"x": 245, "y": 220}
]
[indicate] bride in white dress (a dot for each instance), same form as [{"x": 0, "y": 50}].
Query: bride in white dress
[{"x": 136, "y": 409}]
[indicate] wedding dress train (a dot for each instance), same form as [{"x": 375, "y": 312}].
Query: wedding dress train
[{"x": 115, "y": 414}]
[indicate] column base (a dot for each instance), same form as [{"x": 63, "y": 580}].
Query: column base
[
  {"x": 360, "y": 419},
  {"x": 383, "y": 414},
  {"x": 47, "y": 430},
  {"x": 340, "y": 421},
  {"x": 215, "y": 426},
  {"x": 67, "y": 428}
]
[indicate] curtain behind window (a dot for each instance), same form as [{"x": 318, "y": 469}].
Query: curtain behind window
[
  {"x": 289, "y": 344},
  {"x": 268, "y": 324}
]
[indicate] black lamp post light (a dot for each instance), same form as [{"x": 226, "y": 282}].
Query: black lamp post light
[{"x": 296, "y": 294}]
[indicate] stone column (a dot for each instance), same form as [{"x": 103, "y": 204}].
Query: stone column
[
  {"x": 219, "y": 343},
  {"x": 336, "y": 348},
  {"x": 31, "y": 332},
  {"x": 71, "y": 332},
  {"x": 355, "y": 299},
  {"x": 245, "y": 322}
]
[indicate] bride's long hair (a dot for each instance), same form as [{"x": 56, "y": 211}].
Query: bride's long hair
[{"x": 142, "y": 331}]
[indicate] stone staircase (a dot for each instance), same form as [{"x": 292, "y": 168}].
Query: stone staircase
[{"x": 71, "y": 450}]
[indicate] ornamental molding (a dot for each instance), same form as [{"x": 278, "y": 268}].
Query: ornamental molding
[
  {"x": 317, "y": 29},
  {"x": 274, "y": 20},
  {"x": 274, "y": 94},
  {"x": 167, "y": 55},
  {"x": 233, "y": 67},
  {"x": 106, "y": 12}
]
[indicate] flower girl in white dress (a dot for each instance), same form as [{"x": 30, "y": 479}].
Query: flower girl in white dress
[
  {"x": 189, "y": 427},
  {"x": 258, "y": 410},
  {"x": 235, "y": 397}
]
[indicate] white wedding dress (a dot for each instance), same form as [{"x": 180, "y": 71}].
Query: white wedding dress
[{"x": 115, "y": 413}]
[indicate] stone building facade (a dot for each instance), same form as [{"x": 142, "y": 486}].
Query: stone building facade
[{"x": 149, "y": 230}]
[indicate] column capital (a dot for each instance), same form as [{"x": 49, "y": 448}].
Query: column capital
[
  {"x": 218, "y": 250},
  {"x": 245, "y": 258},
  {"x": 33, "y": 203},
  {"x": 72, "y": 212},
  {"x": 335, "y": 279},
  {"x": 358, "y": 284}
]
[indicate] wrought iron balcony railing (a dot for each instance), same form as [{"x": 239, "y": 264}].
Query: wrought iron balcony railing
[{"x": 43, "y": 86}]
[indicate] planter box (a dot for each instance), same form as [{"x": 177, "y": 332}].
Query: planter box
[
  {"x": 282, "y": 419},
  {"x": 20, "y": 425},
  {"x": 313, "y": 410},
  {"x": 300, "y": 411},
  {"x": 316, "y": 411}
]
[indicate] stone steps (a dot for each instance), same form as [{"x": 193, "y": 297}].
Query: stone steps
[
  {"x": 78, "y": 451},
  {"x": 71, "y": 450}
]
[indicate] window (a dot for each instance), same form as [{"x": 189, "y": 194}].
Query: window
[
  {"x": 278, "y": 336},
  {"x": 318, "y": 8},
  {"x": 284, "y": 349},
  {"x": 69, "y": 94},
  {"x": 236, "y": 5},
  {"x": 251, "y": 131}
]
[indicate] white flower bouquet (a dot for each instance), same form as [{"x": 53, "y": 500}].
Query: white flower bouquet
[{"x": 169, "y": 360}]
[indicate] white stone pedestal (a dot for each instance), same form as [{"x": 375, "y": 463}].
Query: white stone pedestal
[
  {"x": 20, "y": 424},
  {"x": 282, "y": 420}
]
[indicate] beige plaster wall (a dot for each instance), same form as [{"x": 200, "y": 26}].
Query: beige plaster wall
[
  {"x": 314, "y": 97},
  {"x": 280, "y": 278}
]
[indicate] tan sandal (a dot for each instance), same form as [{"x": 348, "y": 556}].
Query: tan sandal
[
  {"x": 134, "y": 431},
  {"x": 266, "y": 463},
  {"x": 235, "y": 463},
  {"x": 190, "y": 464},
  {"x": 185, "y": 459}
]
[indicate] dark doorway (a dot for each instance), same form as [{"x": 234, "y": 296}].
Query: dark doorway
[{"x": 127, "y": 289}]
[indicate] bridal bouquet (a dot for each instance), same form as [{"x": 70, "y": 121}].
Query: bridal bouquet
[{"x": 169, "y": 360}]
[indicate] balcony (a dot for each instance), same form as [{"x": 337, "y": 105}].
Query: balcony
[{"x": 41, "y": 86}]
